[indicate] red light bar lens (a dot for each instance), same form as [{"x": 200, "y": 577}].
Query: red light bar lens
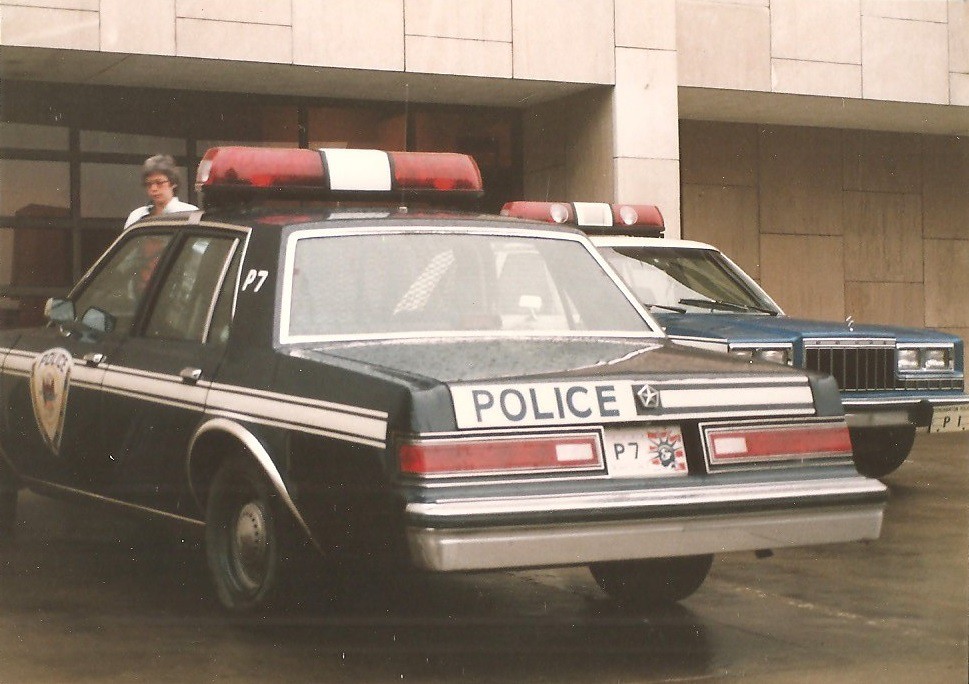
[
  {"x": 443, "y": 171},
  {"x": 757, "y": 444},
  {"x": 501, "y": 456},
  {"x": 260, "y": 167},
  {"x": 592, "y": 216},
  {"x": 550, "y": 212},
  {"x": 646, "y": 215}
]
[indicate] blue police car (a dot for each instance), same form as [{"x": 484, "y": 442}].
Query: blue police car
[{"x": 893, "y": 380}]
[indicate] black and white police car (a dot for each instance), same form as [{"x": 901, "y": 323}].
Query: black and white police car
[
  {"x": 446, "y": 390},
  {"x": 893, "y": 380}
]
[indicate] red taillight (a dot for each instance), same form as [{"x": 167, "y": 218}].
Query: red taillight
[
  {"x": 592, "y": 216},
  {"x": 755, "y": 444},
  {"x": 501, "y": 456},
  {"x": 442, "y": 171}
]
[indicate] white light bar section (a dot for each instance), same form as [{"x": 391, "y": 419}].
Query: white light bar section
[
  {"x": 593, "y": 214},
  {"x": 358, "y": 170}
]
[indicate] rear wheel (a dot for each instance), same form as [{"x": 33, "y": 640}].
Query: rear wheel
[
  {"x": 249, "y": 537},
  {"x": 880, "y": 451},
  {"x": 653, "y": 581}
]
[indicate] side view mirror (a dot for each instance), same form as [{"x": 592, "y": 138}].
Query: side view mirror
[
  {"x": 98, "y": 320},
  {"x": 59, "y": 310}
]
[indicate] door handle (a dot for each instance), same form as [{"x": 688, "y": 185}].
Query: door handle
[
  {"x": 94, "y": 358},
  {"x": 190, "y": 375}
]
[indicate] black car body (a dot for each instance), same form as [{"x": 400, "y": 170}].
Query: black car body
[{"x": 446, "y": 390}]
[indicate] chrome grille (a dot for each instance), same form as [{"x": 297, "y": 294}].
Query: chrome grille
[{"x": 857, "y": 365}]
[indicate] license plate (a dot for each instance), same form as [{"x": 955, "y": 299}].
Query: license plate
[
  {"x": 646, "y": 451},
  {"x": 950, "y": 419}
]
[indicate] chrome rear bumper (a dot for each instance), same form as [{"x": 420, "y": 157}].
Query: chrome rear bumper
[{"x": 853, "y": 512}]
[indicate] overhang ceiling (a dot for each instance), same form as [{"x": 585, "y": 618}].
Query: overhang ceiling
[
  {"x": 743, "y": 106},
  {"x": 182, "y": 73}
]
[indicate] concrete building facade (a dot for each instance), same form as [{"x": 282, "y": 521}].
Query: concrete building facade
[{"x": 824, "y": 144}]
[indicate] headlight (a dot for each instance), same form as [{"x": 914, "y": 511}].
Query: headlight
[
  {"x": 937, "y": 360},
  {"x": 933, "y": 359},
  {"x": 781, "y": 356},
  {"x": 908, "y": 360}
]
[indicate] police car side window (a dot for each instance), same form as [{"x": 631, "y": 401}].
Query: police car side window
[
  {"x": 187, "y": 295},
  {"x": 224, "y": 307},
  {"x": 118, "y": 288}
]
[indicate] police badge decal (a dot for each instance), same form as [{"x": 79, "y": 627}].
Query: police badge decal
[{"x": 49, "y": 382}]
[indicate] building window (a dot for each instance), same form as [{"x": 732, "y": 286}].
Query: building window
[{"x": 70, "y": 159}]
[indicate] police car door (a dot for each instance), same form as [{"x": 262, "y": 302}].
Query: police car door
[
  {"x": 156, "y": 386},
  {"x": 54, "y": 400}
]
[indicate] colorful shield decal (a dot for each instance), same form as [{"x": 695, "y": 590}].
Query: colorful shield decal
[{"x": 49, "y": 383}]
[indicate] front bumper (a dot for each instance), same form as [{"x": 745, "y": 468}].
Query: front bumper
[
  {"x": 876, "y": 413},
  {"x": 581, "y": 529}
]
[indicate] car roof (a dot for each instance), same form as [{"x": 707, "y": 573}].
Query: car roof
[
  {"x": 260, "y": 218},
  {"x": 633, "y": 241}
]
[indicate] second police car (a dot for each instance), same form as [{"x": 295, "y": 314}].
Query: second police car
[
  {"x": 442, "y": 390},
  {"x": 893, "y": 380}
]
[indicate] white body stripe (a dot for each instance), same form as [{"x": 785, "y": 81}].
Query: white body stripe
[
  {"x": 341, "y": 421},
  {"x": 365, "y": 170}
]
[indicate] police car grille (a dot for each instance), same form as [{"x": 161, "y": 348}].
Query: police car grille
[{"x": 855, "y": 369}]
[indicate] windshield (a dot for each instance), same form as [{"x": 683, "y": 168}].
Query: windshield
[
  {"x": 451, "y": 282},
  {"x": 686, "y": 280}
]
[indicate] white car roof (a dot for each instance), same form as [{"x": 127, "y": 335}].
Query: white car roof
[{"x": 633, "y": 241}]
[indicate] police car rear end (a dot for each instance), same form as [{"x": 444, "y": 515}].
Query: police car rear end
[{"x": 545, "y": 419}]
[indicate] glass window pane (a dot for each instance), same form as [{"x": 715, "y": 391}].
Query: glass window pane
[
  {"x": 357, "y": 127},
  {"x": 94, "y": 242},
  {"x": 34, "y": 188},
  {"x": 118, "y": 287},
  {"x": 113, "y": 190},
  {"x": 447, "y": 283},
  {"x": 239, "y": 122},
  {"x": 187, "y": 295},
  {"x": 35, "y": 257},
  {"x": 147, "y": 145},
  {"x": 27, "y": 136}
]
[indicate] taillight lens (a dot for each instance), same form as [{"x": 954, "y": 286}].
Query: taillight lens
[
  {"x": 760, "y": 444},
  {"x": 500, "y": 456}
]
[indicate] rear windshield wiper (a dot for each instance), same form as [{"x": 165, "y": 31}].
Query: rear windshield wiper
[{"x": 727, "y": 306}]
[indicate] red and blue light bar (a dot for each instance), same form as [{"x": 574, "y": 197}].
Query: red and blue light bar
[
  {"x": 593, "y": 217},
  {"x": 331, "y": 173}
]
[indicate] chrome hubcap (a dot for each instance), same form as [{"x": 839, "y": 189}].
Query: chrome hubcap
[{"x": 250, "y": 546}]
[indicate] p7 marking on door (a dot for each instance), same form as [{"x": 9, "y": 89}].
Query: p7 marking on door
[{"x": 254, "y": 277}]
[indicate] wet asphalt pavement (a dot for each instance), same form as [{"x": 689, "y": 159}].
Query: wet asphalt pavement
[{"x": 86, "y": 597}]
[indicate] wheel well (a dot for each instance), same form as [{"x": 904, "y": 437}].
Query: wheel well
[{"x": 209, "y": 452}]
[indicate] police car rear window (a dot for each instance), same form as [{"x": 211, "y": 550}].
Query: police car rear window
[{"x": 450, "y": 283}]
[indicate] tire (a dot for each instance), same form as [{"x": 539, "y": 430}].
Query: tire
[
  {"x": 9, "y": 492},
  {"x": 880, "y": 451},
  {"x": 249, "y": 538},
  {"x": 653, "y": 581}
]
